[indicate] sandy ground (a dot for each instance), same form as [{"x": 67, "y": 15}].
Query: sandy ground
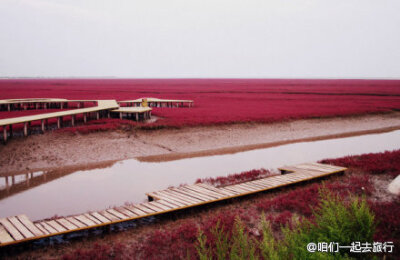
[{"x": 53, "y": 150}]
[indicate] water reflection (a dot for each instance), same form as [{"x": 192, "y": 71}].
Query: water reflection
[{"x": 129, "y": 180}]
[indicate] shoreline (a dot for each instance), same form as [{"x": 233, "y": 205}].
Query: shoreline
[
  {"x": 245, "y": 148},
  {"x": 59, "y": 150}
]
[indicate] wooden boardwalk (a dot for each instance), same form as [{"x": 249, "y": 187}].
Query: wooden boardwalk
[
  {"x": 158, "y": 102},
  {"x": 17, "y": 229}
]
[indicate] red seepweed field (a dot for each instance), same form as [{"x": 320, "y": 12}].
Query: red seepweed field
[{"x": 220, "y": 101}]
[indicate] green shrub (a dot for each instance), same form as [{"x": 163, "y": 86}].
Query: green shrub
[{"x": 333, "y": 221}]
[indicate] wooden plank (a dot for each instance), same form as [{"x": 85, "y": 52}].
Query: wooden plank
[
  {"x": 174, "y": 199},
  {"x": 76, "y": 222},
  {"x": 238, "y": 188},
  {"x": 159, "y": 205},
  {"x": 312, "y": 168},
  {"x": 56, "y": 226},
  {"x": 101, "y": 218},
  {"x": 136, "y": 210},
  {"x": 267, "y": 181},
  {"x": 323, "y": 166},
  {"x": 199, "y": 193},
  {"x": 167, "y": 203},
  {"x": 65, "y": 223},
  {"x": 242, "y": 186},
  {"x": 192, "y": 195},
  {"x": 117, "y": 214},
  {"x": 29, "y": 225},
  {"x": 95, "y": 220},
  {"x": 238, "y": 191},
  {"x": 108, "y": 215},
  {"x": 152, "y": 207},
  {"x": 189, "y": 199},
  {"x": 21, "y": 228},
  {"x": 253, "y": 185},
  {"x": 85, "y": 220},
  {"x": 172, "y": 202},
  {"x": 235, "y": 192},
  {"x": 145, "y": 209},
  {"x": 183, "y": 197},
  {"x": 248, "y": 187},
  {"x": 206, "y": 192},
  {"x": 41, "y": 228},
  {"x": 294, "y": 178},
  {"x": 11, "y": 229},
  {"x": 319, "y": 167},
  {"x": 214, "y": 189},
  {"x": 263, "y": 185},
  {"x": 49, "y": 228},
  {"x": 217, "y": 190},
  {"x": 328, "y": 166},
  {"x": 4, "y": 236},
  {"x": 126, "y": 212}
]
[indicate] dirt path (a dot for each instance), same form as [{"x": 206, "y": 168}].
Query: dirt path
[{"x": 60, "y": 149}]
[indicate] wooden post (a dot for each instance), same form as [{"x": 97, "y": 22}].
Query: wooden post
[
  {"x": 97, "y": 115},
  {"x": 5, "y": 133},
  {"x": 45, "y": 105},
  {"x": 25, "y": 129},
  {"x": 137, "y": 116},
  {"x": 42, "y": 123},
  {"x": 84, "y": 117},
  {"x": 79, "y": 105},
  {"x": 149, "y": 114},
  {"x": 108, "y": 114},
  {"x": 61, "y": 105},
  {"x": 58, "y": 122},
  {"x": 73, "y": 120},
  {"x": 120, "y": 115},
  {"x": 9, "y": 107}
]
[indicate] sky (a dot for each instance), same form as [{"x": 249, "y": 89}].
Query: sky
[{"x": 200, "y": 38}]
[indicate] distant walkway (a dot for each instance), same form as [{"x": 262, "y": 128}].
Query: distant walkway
[{"x": 139, "y": 110}]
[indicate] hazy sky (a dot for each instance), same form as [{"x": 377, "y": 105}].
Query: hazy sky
[{"x": 200, "y": 38}]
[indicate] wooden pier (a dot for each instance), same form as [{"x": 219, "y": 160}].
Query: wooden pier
[
  {"x": 157, "y": 102},
  {"x": 18, "y": 229},
  {"x": 138, "y": 109},
  {"x": 102, "y": 106}
]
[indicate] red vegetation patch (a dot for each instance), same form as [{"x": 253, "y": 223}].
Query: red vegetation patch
[
  {"x": 373, "y": 163},
  {"x": 221, "y": 101},
  {"x": 99, "y": 251},
  {"x": 302, "y": 199},
  {"x": 236, "y": 178}
]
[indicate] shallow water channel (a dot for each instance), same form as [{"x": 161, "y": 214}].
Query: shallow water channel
[{"x": 129, "y": 180}]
